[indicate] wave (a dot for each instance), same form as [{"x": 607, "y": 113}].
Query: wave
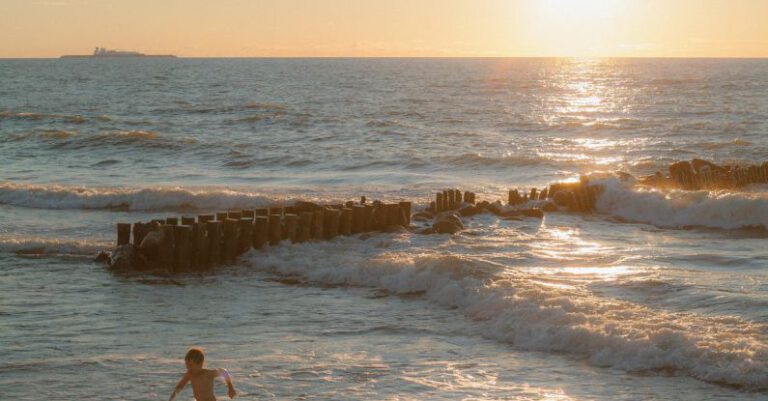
[
  {"x": 683, "y": 209},
  {"x": 32, "y": 116},
  {"x": 62, "y": 139},
  {"x": 515, "y": 308},
  {"x": 133, "y": 199},
  {"x": 51, "y": 246}
]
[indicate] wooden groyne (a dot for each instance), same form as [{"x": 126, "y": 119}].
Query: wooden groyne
[
  {"x": 700, "y": 174},
  {"x": 196, "y": 243}
]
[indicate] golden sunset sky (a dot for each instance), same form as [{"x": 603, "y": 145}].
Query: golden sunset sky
[{"x": 513, "y": 28}]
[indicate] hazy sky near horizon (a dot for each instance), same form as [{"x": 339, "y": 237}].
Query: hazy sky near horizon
[{"x": 243, "y": 28}]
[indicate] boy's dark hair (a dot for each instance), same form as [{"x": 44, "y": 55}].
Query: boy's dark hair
[{"x": 195, "y": 355}]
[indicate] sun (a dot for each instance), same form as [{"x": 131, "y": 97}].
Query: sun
[{"x": 575, "y": 27}]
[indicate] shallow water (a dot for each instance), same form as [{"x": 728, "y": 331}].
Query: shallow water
[{"x": 659, "y": 295}]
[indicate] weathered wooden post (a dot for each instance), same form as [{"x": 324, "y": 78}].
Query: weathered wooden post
[
  {"x": 204, "y": 218},
  {"x": 291, "y": 227},
  {"x": 181, "y": 255},
  {"x": 213, "y": 228},
  {"x": 345, "y": 221},
  {"x": 248, "y": 214},
  {"x": 405, "y": 206},
  {"x": 187, "y": 220},
  {"x": 231, "y": 242},
  {"x": 275, "y": 229},
  {"x": 439, "y": 202},
  {"x": 457, "y": 199},
  {"x": 368, "y": 218},
  {"x": 221, "y": 216},
  {"x": 278, "y": 210},
  {"x": 172, "y": 221},
  {"x": 235, "y": 215},
  {"x": 245, "y": 226},
  {"x": 362, "y": 200},
  {"x": 200, "y": 233},
  {"x": 534, "y": 194},
  {"x": 260, "y": 231},
  {"x": 140, "y": 231},
  {"x": 165, "y": 254},
  {"x": 331, "y": 224},
  {"x": 318, "y": 230},
  {"x": 305, "y": 227},
  {"x": 261, "y": 212},
  {"x": 358, "y": 219},
  {"x": 543, "y": 194},
  {"x": 123, "y": 233}
]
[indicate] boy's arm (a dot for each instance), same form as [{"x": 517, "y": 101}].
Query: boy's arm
[
  {"x": 180, "y": 386},
  {"x": 228, "y": 378}
]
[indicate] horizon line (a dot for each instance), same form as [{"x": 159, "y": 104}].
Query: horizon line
[{"x": 400, "y": 57}]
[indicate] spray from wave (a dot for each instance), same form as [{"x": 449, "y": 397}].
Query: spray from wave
[{"x": 682, "y": 209}]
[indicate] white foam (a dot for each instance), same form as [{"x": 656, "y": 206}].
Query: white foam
[
  {"x": 51, "y": 246},
  {"x": 513, "y": 307},
  {"x": 145, "y": 199},
  {"x": 678, "y": 209}
]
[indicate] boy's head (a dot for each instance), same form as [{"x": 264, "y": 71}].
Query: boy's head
[{"x": 194, "y": 358}]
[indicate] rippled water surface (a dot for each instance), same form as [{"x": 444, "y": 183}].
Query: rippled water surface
[{"x": 657, "y": 295}]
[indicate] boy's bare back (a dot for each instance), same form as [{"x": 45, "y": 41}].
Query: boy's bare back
[{"x": 202, "y": 379}]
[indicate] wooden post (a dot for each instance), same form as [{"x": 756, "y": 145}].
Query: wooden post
[
  {"x": 260, "y": 229},
  {"x": 290, "y": 210},
  {"x": 275, "y": 229},
  {"x": 213, "y": 228},
  {"x": 187, "y": 220},
  {"x": 181, "y": 255},
  {"x": 140, "y": 231},
  {"x": 231, "y": 241},
  {"x": 345, "y": 221},
  {"x": 358, "y": 219},
  {"x": 201, "y": 245},
  {"x": 432, "y": 207},
  {"x": 248, "y": 214},
  {"x": 368, "y": 218},
  {"x": 221, "y": 216},
  {"x": 261, "y": 212},
  {"x": 318, "y": 231},
  {"x": 439, "y": 202},
  {"x": 165, "y": 256},
  {"x": 405, "y": 208},
  {"x": 534, "y": 194},
  {"x": 278, "y": 210},
  {"x": 451, "y": 199},
  {"x": 245, "y": 242},
  {"x": 292, "y": 226},
  {"x": 172, "y": 221},
  {"x": 457, "y": 199},
  {"x": 362, "y": 200},
  {"x": 123, "y": 233},
  {"x": 204, "y": 218},
  {"x": 331, "y": 226},
  {"x": 305, "y": 227},
  {"x": 235, "y": 215},
  {"x": 543, "y": 194}
]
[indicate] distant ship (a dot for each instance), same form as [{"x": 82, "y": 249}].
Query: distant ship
[{"x": 100, "y": 52}]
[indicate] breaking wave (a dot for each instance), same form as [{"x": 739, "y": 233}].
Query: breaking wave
[
  {"x": 35, "y": 246},
  {"x": 683, "y": 209},
  {"x": 133, "y": 199},
  {"x": 515, "y": 308}
]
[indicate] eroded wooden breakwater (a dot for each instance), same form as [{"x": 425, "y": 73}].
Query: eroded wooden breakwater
[{"x": 194, "y": 243}]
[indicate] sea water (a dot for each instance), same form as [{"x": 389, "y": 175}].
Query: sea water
[{"x": 658, "y": 295}]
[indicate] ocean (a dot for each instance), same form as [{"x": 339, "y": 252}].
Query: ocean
[{"x": 657, "y": 295}]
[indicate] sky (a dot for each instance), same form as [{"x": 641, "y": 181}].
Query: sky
[{"x": 382, "y": 28}]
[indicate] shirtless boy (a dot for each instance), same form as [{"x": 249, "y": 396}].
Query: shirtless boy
[{"x": 202, "y": 379}]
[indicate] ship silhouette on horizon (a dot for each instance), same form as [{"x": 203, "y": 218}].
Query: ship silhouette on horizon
[{"x": 103, "y": 52}]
